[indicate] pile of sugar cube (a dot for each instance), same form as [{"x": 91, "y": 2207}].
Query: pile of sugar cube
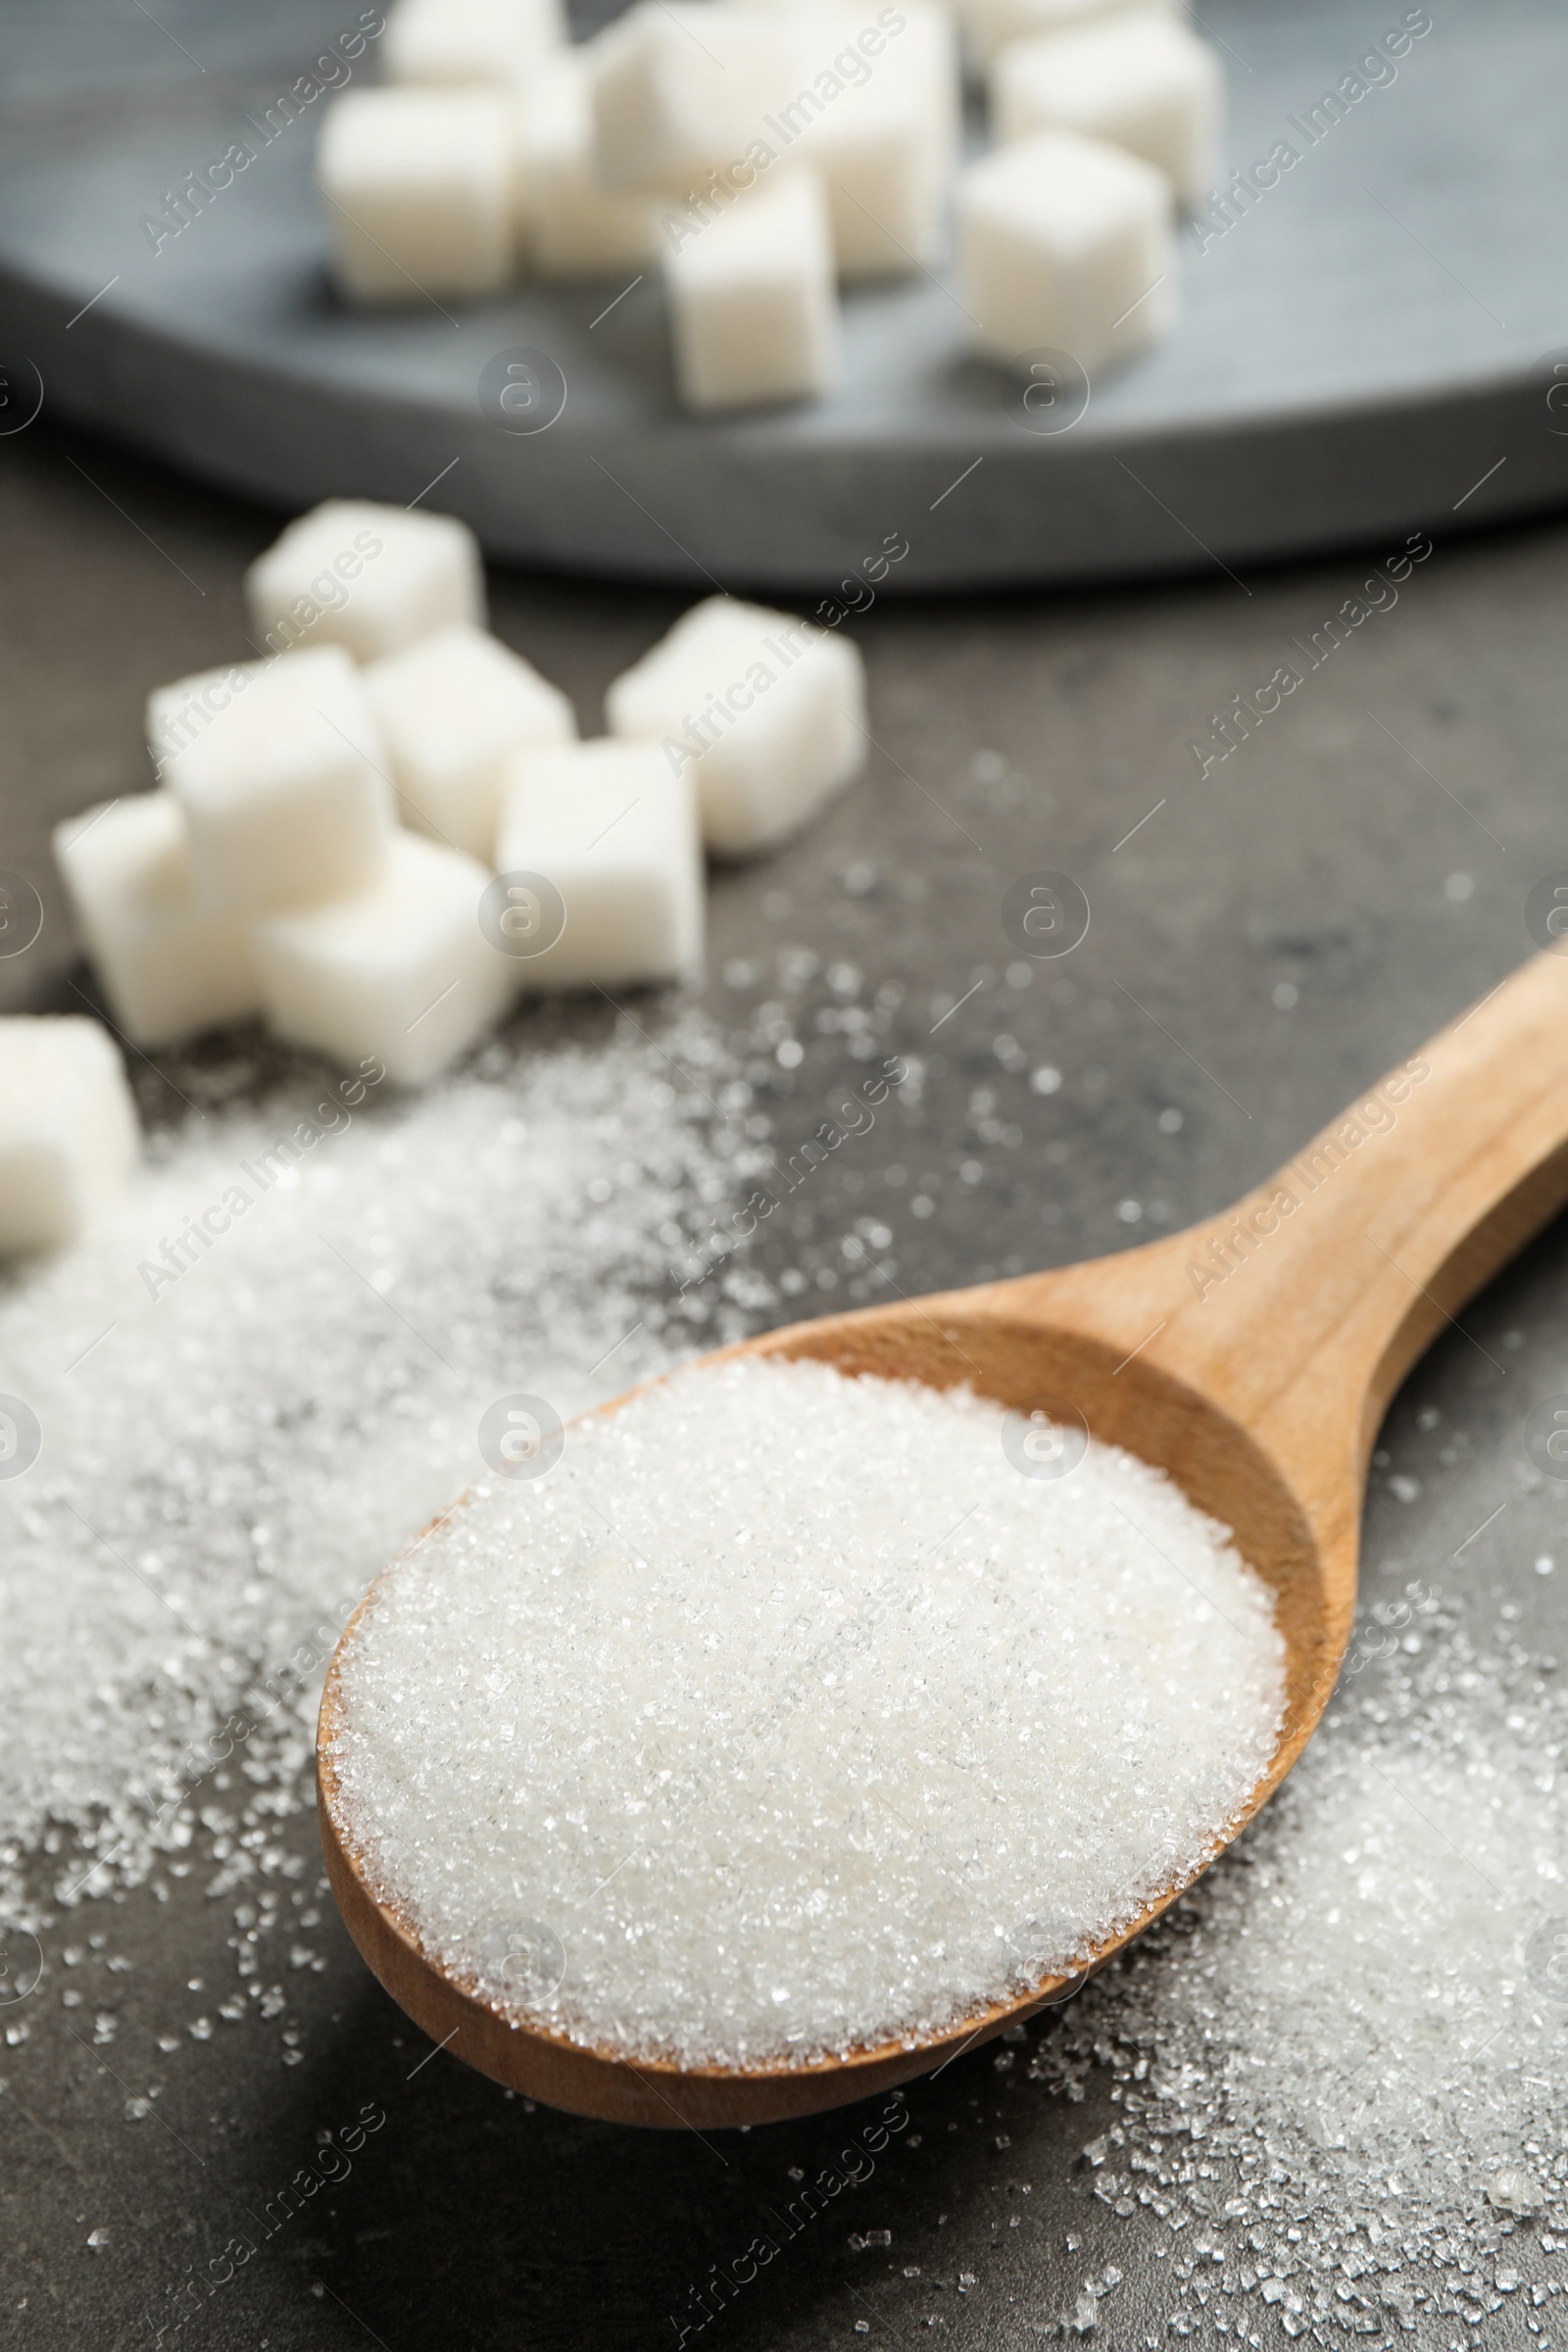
[
  {"x": 382, "y": 832},
  {"x": 761, "y": 153}
]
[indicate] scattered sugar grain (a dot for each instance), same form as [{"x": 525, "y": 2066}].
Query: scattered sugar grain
[
  {"x": 228, "y": 1463},
  {"x": 799, "y": 1718},
  {"x": 1342, "y": 2054}
]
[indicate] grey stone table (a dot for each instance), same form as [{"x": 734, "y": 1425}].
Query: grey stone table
[{"x": 1266, "y": 937}]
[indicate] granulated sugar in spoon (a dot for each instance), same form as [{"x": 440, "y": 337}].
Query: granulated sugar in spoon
[{"x": 833, "y": 1703}]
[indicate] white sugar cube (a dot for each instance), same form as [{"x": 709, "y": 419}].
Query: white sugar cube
[
  {"x": 281, "y": 775},
  {"x": 680, "y": 90},
  {"x": 612, "y": 828},
  {"x": 1066, "y": 245},
  {"x": 369, "y": 578},
  {"x": 767, "y": 712},
  {"x": 420, "y": 193},
  {"x": 885, "y": 200},
  {"x": 69, "y": 1134},
  {"x": 754, "y": 311},
  {"x": 572, "y": 226},
  {"x": 874, "y": 109},
  {"x": 989, "y": 25},
  {"x": 400, "y": 971},
  {"x": 891, "y": 150},
  {"x": 468, "y": 43},
  {"x": 451, "y": 711},
  {"x": 1142, "y": 81},
  {"x": 168, "y": 966}
]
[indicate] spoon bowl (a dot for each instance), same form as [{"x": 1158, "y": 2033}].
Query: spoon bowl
[{"x": 1250, "y": 1358}]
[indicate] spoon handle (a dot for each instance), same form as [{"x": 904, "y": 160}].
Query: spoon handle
[{"x": 1301, "y": 1309}]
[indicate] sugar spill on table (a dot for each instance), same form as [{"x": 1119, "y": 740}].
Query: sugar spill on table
[
  {"x": 1220, "y": 2048},
  {"x": 1338, "y": 2064},
  {"x": 797, "y": 1713},
  {"x": 265, "y": 1368}
]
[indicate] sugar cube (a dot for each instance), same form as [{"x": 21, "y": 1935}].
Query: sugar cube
[
  {"x": 1067, "y": 245},
  {"x": 399, "y": 970},
  {"x": 421, "y": 194},
  {"x": 570, "y": 223},
  {"x": 612, "y": 828},
  {"x": 1142, "y": 81},
  {"x": 875, "y": 109},
  {"x": 468, "y": 43},
  {"x": 988, "y": 24},
  {"x": 680, "y": 90},
  {"x": 281, "y": 775},
  {"x": 68, "y": 1132},
  {"x": 451, "y": 709},
  {"x": 754, "y": 312},
  {"x": 889, "y": 154},
  {"x": 767, "y": 712},
  {"x": 168, "y": 967},
  {"x": 369, "y": 578}
]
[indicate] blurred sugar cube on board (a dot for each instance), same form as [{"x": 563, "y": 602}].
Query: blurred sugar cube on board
[
  {"x": 752, "y": 300},
  {"x": 989, "y": 25},
  {"x": 468, "y": 45},
  {"x": 571, "y": 224},
  {"x": 680, "y": 90},
  {"x": 887, "y": 146},
  {"x": 419, "y": 196},
  {"x": 766, "y": 153},
  {"x": 1142, "y": 81},
  {"x": 1066, "y": 244}
]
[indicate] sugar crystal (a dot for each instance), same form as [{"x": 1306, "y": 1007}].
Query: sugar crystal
[
  {"x": 257, "y": 1421},
  {"x": 784, "y": 1715}
]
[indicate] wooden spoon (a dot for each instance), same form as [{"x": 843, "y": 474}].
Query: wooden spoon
[{"x": 1251, "y": 1358}]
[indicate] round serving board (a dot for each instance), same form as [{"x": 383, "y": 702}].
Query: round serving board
[{"x": 1366, "y": 351}]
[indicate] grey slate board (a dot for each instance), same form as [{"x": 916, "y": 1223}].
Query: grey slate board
[{"x": 1359, "y": 355}]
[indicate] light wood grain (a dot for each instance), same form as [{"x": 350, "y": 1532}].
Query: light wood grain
[{"x": 1251, "y": 1357}]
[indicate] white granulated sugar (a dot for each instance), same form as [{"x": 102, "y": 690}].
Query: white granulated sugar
[
  {"x": 799, "y": 1716},
  {"x": 227, "y": 1464},
  {"x": 1343, "y": 2055}
]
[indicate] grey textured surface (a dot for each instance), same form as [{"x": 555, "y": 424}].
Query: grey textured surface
[
  {"x": 1358, "y": 353},
  {"x": 1014, "y": 734}
]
